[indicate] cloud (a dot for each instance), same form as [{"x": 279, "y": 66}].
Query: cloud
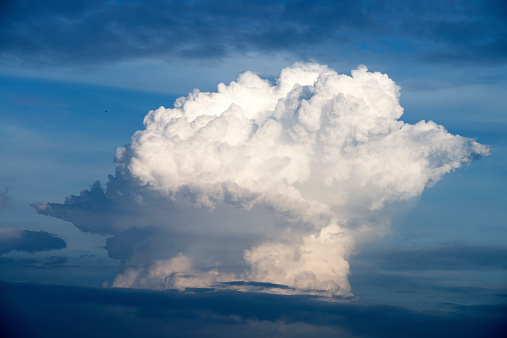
[
  {"x": 5, "y": 200},
  {"x": 264, "y": 182},
  {"x": 30, "y": 241},
  {"x": 94, "y": 32},
  {"x": 55, "y": 260},
  {"x": 61, "y": 311},
  {"x": 447, "y": 256}
]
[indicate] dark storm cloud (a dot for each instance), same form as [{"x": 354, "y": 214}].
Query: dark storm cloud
[
  {"x": 447, "y": 256},
  {"x": 90, "y": 32},
  {"x": 62, "y": 311},
  {"x": 30, "y": 241}
]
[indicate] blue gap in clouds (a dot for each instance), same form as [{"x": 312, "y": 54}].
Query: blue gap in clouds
[
  {"x": 69, "y": 108},
  {"x": 56, "y": 131}
]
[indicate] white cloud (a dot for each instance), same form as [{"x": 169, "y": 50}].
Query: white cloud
[{"x": 262, "y": 181}]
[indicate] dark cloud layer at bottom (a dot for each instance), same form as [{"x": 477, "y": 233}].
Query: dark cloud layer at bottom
[{"x": 30, "y": 310}]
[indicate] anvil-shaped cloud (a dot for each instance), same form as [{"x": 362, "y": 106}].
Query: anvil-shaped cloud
[{"x": 272, "y": 183}]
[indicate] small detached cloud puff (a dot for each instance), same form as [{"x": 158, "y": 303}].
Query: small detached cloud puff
[{"x": 29, "y": 241}]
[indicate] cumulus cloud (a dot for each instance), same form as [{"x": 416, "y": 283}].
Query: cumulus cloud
[
  {"x": 264, "y": 182},
  {"x": 30, "y": 241}
]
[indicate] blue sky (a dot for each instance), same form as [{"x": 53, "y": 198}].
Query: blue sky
[{"x": 77, "y": 79}]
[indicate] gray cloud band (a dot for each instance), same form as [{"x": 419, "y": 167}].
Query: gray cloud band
[{"x": 51, "y": 33}]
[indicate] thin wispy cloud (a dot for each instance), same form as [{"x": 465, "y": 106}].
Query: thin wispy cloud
[
  {"x": 5, "y": 199},
  {"x": 446, "y": 256}
]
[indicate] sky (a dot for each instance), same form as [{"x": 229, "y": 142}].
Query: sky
[{"x": 268, "y": 168}]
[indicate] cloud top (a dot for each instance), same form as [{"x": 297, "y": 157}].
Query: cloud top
[
  {"x": 296, "y": 172},
  {"x": 336, "y": 133}
]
